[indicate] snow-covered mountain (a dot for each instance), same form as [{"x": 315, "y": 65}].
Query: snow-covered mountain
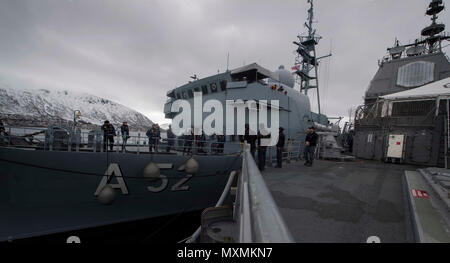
[{"x": 42, "y": 107}]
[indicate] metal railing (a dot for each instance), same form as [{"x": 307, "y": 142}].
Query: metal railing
[
  {"x": 40, "y": 138},
  {"x": 66, "y": 140},
  {"x": 255, "y": 215}
]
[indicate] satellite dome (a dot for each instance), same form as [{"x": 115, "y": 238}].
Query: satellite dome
[{"x": 285, "y": 76}]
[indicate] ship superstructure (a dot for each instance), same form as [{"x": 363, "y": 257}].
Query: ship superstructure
[
  {"x": 405, "y": 117},
  {"x": 415, "y": 64},
  {"x": 254, "y": 82}
]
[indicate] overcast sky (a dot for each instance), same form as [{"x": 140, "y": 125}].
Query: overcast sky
[{"x": 133, "y": 51}]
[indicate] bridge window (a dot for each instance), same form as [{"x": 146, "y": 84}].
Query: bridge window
[
  {"x": 190, "y": 93},
  {"x": 223, "y": 85},
  {"x": 205, "y": 89},
  {"x": 185, "y": 96}
]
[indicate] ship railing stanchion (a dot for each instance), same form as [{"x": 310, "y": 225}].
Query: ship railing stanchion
[
  {"x": 9, "y": 136},
  {"x": 118, "y": 142},
  {"x": 138, "y": 142},
  {"x": 102, "y": 142},
  {"x": 51, "y": 138},
  {"x": 95, "y": 141},
  {"x": 77, "y": 142},
  {"x": 69, "y": 142}
]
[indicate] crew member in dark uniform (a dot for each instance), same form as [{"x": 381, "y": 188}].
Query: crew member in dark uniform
[
  {"x": 310, "y": 146},
  {"x": 280, "y": 147},
  {"x": 125, "y": 131},
  {"x": 149, "y": 134},
  {"x": 251, "y": 139},
  {"x": 108, "y": 135},
  {"x": 156, "y": 136}
]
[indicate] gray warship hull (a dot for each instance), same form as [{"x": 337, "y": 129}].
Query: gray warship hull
[{"x": 46, "y": 192}]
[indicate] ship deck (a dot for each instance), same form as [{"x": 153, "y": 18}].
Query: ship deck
[{"x": 343, "y": 201}]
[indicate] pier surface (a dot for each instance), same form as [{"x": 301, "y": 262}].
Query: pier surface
[{"x": 343, "y": 201}]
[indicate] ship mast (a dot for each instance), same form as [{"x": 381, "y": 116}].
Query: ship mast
[
  {"x": 306, "y": 62},
  {"x": 433, "y": 32}
]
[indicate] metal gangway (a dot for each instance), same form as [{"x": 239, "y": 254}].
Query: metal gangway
[{"x": 245, "y": 213}]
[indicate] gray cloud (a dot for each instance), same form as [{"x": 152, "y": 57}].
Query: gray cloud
[{"x": 134, "y": 51}]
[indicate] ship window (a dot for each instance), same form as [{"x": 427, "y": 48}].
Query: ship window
[
  {"x": 178, "y": 96},
  {"x": 205, "y": 89},
  {"x": 190, "y": 93},
  {"x": 415, "y": 74},
  {"x": 223, "y": 85},
  {"x": 197, "y": 89},
  {"x": 412, "y": 108},
  {"x": 213, "y": 87},
  {"x": 185, "y": 96}
]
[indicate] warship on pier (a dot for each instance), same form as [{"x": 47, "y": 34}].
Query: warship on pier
[{"x": 405, "y": 113}]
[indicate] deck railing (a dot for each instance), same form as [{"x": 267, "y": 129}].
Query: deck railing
[
  {"x": 41, "y": 138},
  {"x": 61, "y": 139},
  {"x": 256, "y": 212},
  {"x": 255, "y": 217}
]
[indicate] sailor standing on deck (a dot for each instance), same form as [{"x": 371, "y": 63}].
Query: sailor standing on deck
[
  {"x": 150, "y": 138},
  {"x": 125, "y": 131},
  {"x": 251, "y": 139},
  {"x": 156, "y": 136},
  {"x": 280, "y": 146},
  {"x": 108, "y": 135},
  {"x": 310, "y": 146}
]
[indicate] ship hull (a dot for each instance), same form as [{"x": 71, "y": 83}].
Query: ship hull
[{"x": 45, "y": 192}]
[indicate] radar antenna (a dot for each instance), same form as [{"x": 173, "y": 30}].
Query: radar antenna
[
  {"x": 433, "y": 31},
  {"x": 306, "y": 62}
]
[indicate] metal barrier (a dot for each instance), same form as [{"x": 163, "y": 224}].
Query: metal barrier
[
  {"x": 41, "y": 138},
  {"x": 253, "y": 218},
  {"x": 45, "y": 139},
  {"x": 255, "y": 210}
]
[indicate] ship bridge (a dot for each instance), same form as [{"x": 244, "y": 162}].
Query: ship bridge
[{"x": 251, "y": 73}]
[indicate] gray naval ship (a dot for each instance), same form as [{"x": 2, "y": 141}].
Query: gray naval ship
[
  {"x": 405, "y": 113},
  {"x": 362, "y": 200},
  {"x": 64, "y": 181}
]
